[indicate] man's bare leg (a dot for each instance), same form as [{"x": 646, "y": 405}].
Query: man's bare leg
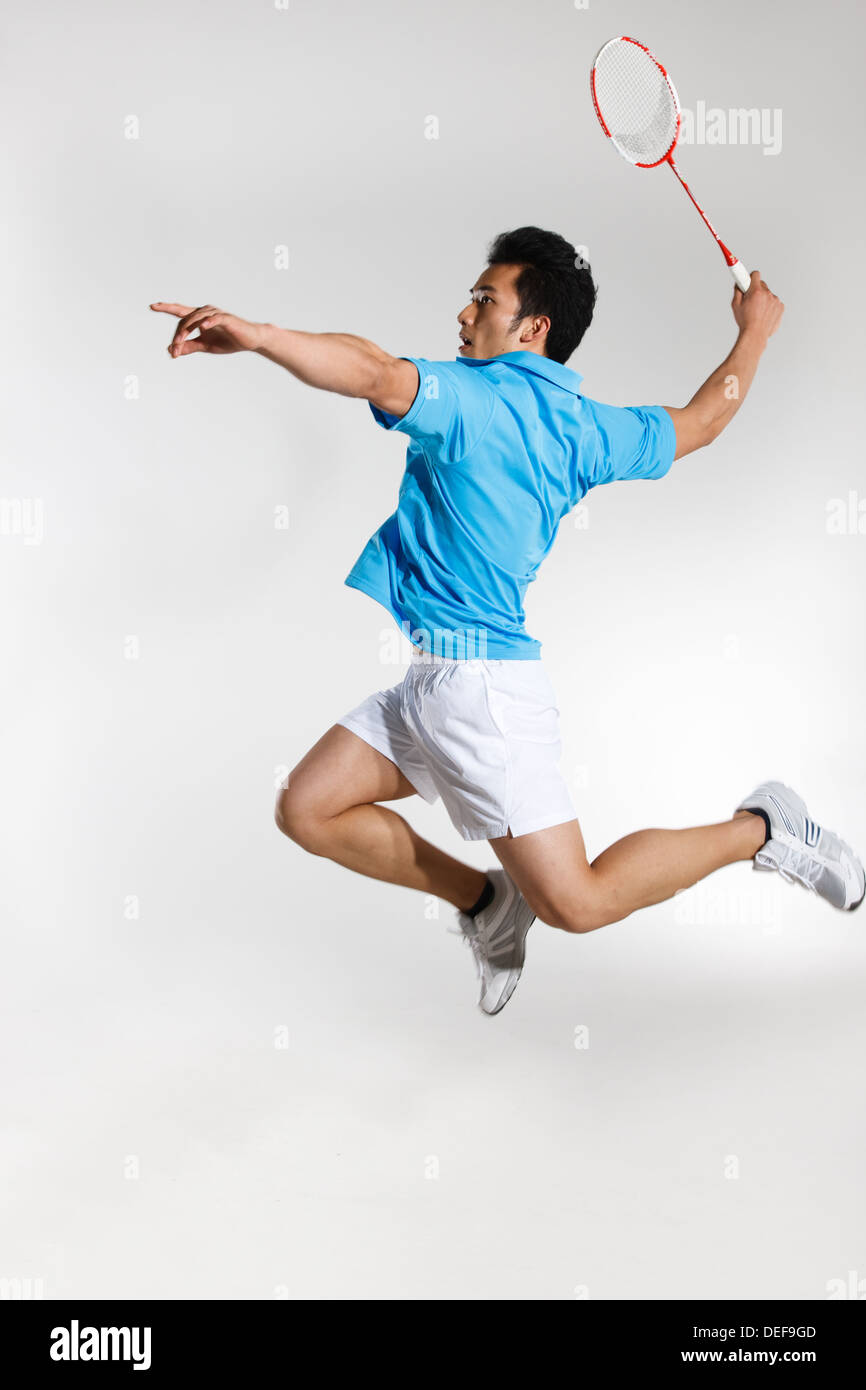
[
  {"x": 551, "y": 869},
  {"x": 329, "y": 806}
]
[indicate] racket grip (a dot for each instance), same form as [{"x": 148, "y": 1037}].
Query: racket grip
[{"x": 741, "y": 275}]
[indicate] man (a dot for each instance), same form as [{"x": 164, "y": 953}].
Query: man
[{"x": 503, "y": 445}]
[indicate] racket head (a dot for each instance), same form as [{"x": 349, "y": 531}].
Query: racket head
[{"x": 635, "y": 101}]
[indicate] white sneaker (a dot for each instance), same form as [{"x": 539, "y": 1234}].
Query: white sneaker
[
  {"x": 497, "y": 936},
  {"x": 805, "y": 852}
]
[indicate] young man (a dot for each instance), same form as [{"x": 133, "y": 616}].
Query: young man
[{"x": 503, "y": 445}]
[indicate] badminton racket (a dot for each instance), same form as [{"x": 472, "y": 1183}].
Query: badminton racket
[{"x": 639, "y": 111}]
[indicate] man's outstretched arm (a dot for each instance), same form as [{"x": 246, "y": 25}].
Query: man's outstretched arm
[
  {"x": 758, "y": 313},
  {"x": 338, "y": 362}
]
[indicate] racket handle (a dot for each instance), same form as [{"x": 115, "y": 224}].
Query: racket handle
[{"x": 741, "y": 275}]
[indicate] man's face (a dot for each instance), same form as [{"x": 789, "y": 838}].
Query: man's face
[{"x": 486, "y": 323}]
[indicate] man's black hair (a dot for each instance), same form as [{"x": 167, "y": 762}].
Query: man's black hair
[{"x": 554, "y": 280}]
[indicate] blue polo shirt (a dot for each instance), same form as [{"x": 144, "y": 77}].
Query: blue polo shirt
[{"x": 500, "y": 450}]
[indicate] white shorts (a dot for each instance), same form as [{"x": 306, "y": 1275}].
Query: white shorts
[{"x": 483, "y": 735}]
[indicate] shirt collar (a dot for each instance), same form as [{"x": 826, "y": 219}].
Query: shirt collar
[{"x": 556, "y": 372}]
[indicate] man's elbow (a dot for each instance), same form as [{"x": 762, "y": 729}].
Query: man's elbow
[
  {"x": 712, "y": 429},
  {"x": 703, "y": 437},
  {"x": 692, "y": 431}
]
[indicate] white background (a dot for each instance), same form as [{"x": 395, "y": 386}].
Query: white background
[{"x": 169, "y": 653}]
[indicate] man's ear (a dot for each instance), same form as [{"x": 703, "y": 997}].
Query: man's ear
[{"x": 538, "y": 328}]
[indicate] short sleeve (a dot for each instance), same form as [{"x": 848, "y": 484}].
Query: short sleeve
[
  {"x": 450, "y": 413},
  {"x": 632, "y": 441}
]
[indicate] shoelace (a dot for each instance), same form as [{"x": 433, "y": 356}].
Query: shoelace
[
  {"x": 800, "y": 866},
  {"x": 471, "y": 940}
]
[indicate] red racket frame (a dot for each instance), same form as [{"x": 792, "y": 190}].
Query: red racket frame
[{"x": 668, "y": 156}]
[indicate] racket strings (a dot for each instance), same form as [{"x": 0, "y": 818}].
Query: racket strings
[{"x": 636, "y": 102}]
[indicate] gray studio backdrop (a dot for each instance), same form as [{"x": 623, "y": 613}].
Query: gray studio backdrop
[{"x": 233, "y": 1070}]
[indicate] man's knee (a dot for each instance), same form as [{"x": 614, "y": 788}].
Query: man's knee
[
  {"x": 296, "y": 817},
  {"x": 577, "y": 912}
]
